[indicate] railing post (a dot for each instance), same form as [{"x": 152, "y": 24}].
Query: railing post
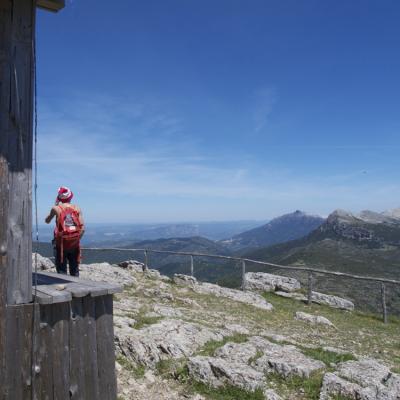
[
  {"x": 243, "y": 275},
  {"x": 310, "y": 283},
  {"x": 146, "y": 261},
  {"x": 384, "y": 310},
  {"x": 191, "y": 266}
]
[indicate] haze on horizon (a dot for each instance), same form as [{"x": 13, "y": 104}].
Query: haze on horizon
[{"x": 165, "y": 111}]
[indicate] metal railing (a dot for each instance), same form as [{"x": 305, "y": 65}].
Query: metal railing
[{"x": 244, "y": 261}]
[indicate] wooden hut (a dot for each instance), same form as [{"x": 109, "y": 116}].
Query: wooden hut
[{"x": 54, "y": 344}]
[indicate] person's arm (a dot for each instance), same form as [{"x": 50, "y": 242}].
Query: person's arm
[
  {"x": 81, "y": 221},
  {"x": 53, "y": 213}
]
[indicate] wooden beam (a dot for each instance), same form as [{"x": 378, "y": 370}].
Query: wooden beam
[
  {"x": 17, "y": 26},
  {"x": 51, "y": 5}
]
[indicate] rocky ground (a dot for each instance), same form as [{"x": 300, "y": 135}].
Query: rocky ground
[{"x": 182, "y": 339}]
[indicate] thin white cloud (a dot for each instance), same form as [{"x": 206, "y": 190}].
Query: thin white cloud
[
  {"x": 265, "y": 100},
  {"x": 118, "y": 166}
]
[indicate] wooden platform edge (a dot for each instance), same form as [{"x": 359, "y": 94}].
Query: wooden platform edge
[{"x": 112, "y": 288}]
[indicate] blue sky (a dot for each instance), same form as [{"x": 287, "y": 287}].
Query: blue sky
[{"x": 183, "y": 110}]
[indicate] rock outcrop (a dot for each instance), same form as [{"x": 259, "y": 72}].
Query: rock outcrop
[
  {"x": 313, "y": 319},
  {"x": 43, "y": 263},
  {"x": 237, "y": 295},
  {"x": 247, "y": 365},
  {"x": 321, "y": 298},
  {"x": 264, "y": 282},
  {"x": 332, "y": 301},
  {"x": 361, "y": 380},
  {"x": 165, "y": 339}
]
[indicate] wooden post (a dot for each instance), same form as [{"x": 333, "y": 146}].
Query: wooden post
[
  {"x": 146, "y": 262},
  {"x": 191, "y": 266},
  {"x": 243, "y": 275},
  {"x": 384, "y": 310},
  {"x": 310, "y": 283},
  {"x": 17, "y": 26}
]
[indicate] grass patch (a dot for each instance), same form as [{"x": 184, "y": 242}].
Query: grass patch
[
  {"x": 174, "y": 368},
  {"x": 210, "y": 347},
  {"x": 226, "y": 392},
  {"x": 311, "y": 386},
  {"x": 340, "y": 397},
  {"x": 142, "y": 320},
  {"x": 255, "y": 357},
  {"x": 327, "y": 357},
  {"x": 137, "y": 371}
]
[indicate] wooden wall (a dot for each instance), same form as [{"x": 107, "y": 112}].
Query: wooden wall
[
  {"x": 73, "y": 355},
  {"x": 17, "y": 23}
]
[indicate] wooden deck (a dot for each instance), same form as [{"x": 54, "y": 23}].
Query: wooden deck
[{"x": 68, "y": 353}]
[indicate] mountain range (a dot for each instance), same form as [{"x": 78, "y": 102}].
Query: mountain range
[
  {"x": 113, "y": 235},
  {"x": 367, "y": 243},
  {"x": 363, "y": 244}
]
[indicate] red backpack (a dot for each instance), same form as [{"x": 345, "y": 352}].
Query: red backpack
[{"x": 68, "y": 230}]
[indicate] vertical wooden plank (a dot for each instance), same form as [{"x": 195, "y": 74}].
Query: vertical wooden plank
[
  {"x": 105, "y": 348},
  {"x": 61, "y": 360},
  {"x": 43, "y": 388},
  {"x": 5, "y": 40},
  {"x": 18, "y": 352},
  {"x": 3, "y": 258},
  {"x": 77, "y": 349},
  {"x": 90, "y": 345}
]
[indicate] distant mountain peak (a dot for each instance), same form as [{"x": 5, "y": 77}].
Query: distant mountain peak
[
  {"x": 281, "y": 229},
  {"x": 365, "y": 216},
  {"x": 395, "y": 213}
]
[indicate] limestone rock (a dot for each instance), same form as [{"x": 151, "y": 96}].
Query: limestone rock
[
  {"x": 365, "y": 379},
  {"x": 320, "y": 298},
  {"x": 313, "y": 319},
  {"x": 105, "y": 272},
  {"x": 139, "y": 268},
  {"x": 168, "y": 338},
  {"x": 332, "y": 301},
  {"x": 189, "y": 302},
  {"x": 236, "y": 328},
  {"x": 186, "y": 280},
  {"x": 233, "y": 294},
  {"x": 44, "y": 263},
  {"x": 149, "y": 387},
  {"x": 285, "y": 360},
  {"x": 294, "y": 295},
  {"x": 269, "y": 282},
  {"x": 218, "y": 372},
  {"x": 246, "y": 364},
  {"x": 132, "y": 265},
  {"x": 165, "y": 311},
  {"x": 237, "y": 352},
  {"x": 270, "y": 394}
]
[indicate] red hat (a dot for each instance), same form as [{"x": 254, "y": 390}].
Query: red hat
[{"x": 64, "y": 195}]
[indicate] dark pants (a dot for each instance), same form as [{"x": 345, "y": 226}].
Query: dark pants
[{"x": 71, "y": 257}]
